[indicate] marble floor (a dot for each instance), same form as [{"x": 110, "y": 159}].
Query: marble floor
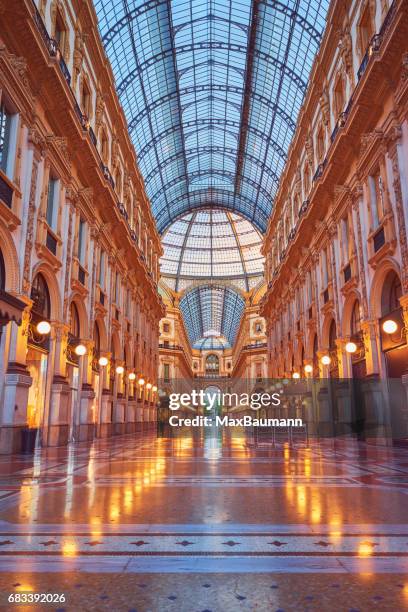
[{"x": 206, "y": 522}]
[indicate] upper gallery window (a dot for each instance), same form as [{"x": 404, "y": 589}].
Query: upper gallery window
[
  {"x": 376, "y": 197},
  {"x": 86, "y": 98},
  {"x": 82, "y": 241},
  {"x": 365, "y": 29},
  {"x": 339, "y": 96},
  {"x": 7, "y": 140},
  {"x": 52, "y": 202}
]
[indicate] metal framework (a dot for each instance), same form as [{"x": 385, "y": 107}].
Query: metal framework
[
  {"x": 185, "y": 68},
  {"x": 212, "y": 245},
  {"x": 212, "y": 313}
]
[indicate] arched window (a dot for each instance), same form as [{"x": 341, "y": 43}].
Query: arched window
[
  {"x": 391, "y": 293},
  {"x": 355, "y": 324},
  {"x": 2, "y": 273},
  {"x": 212, "y": 364},
  {"x": 97, "y": 338},
  {"x": 74, "y": 325},
  {"x": 332, "y": 335},
  {"x": 41, "y": 297}
]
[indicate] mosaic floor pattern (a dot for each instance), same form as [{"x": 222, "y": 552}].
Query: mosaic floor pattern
[{"x": 207, "y": 524}]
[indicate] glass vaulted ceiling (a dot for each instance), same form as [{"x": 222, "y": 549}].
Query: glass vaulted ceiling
[
  {"x": 212, "y": 315},
  {"x": 207, "y": 245},
  {"x": 211, "y": 90}
]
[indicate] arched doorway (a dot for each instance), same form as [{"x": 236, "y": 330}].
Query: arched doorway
[
  {"x": 395, "y": 350},
  {"x": 393, "y": 334},
  {"x": 212, "y": 365},
  {"x": 37, "y": 351}
]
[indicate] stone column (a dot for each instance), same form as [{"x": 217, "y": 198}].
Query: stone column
[
  {"x": 85, "y": 427},
  {"x": 56, "y": 429},
  {"x": 104, "y": 428},
  {"x": 17, "y": 382}
]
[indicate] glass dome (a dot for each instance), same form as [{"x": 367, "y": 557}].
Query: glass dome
[
  {"x": 209, "y": 245},
  {"x": 213, "y": 343}
]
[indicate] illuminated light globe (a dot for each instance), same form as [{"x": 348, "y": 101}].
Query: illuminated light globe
[
  {"x": 154, "y": 388},
  {"x": 149, "y": 386},
  {"x": 295, "y": 375},
  {"x": 326, "y": 360},
  {"x": 43, "y": 328},
  {"x": 103, "y": 361},
  {"x": 132, "y": 376},
  {"x": 141, "y": 381},
  {"x": 390, "y": 326},
  {"x": 120, "y": 370},
  {"x": 351, "y": 347},
  {"x": 308, "y": 368},
  {"x": 80, "y": 350}
]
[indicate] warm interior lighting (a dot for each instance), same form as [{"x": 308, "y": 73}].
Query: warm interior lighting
[
  {"x": 120, "y": 370},
  {"x": 103, "y": 361},
  {"x": 326, "y": 360},
  {"x": 154, "y": 388},
  {"x": 149, "y": 386},
  {"x": 351, "y": 347},
  {"x": 132, "y": 376},
  {"x": 308, "y": 368},
  {"x": 295, "y": 375},
  {"x": 390, "y": 326},
  {"x": 141, "y": 382},
  {"x": 80, "y": 350},
  {"x": 43, "y": 328}
]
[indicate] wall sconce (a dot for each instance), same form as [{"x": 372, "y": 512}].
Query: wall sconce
[
  {"x": 43, "y": 328},
  {"x": 132, "y": 376},
  {"x": 308, "y": 368},
  {"x": 149, "y": 386},
  {"x": 80, "y": 350},
  {"x": 295, "y": 375},
  {"x": 351, "y": 347},
  {"x": 154, "y": 389},
  {"x": 141, "y": 382},
  {"x": 326, "y": 360},
  {"x": 390, "y": 326},
  {"x": 120, "y": 370},
  {"x": 103, "y": 361}
]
